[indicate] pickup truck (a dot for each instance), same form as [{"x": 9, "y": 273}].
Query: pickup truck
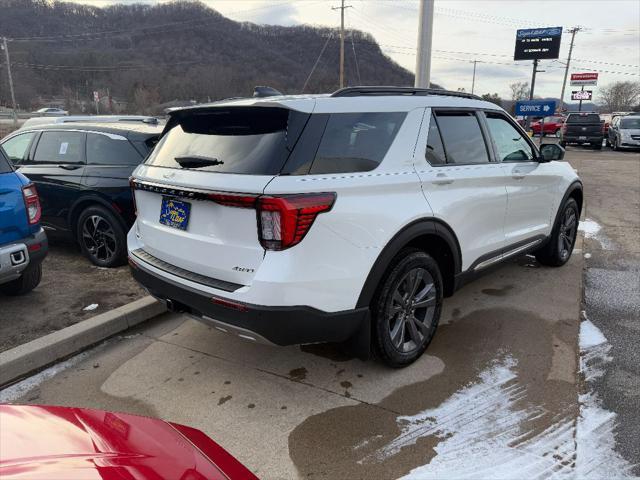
[
  {"x": 23, "y": 243},
  {"x": 581, "y": 128}
]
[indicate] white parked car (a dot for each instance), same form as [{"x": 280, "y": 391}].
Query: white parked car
[
  {"x": 344, "y": 217},
  {"x": 51, "y": 112}
]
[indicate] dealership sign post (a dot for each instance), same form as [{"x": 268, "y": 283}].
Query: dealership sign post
[
  {"x": 537, "y": 44},
  {"x": 582, "y": 79}
]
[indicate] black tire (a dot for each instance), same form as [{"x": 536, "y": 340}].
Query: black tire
[
  {"x": 597, "y": 146},
  {"x": 29, "y": 280},
  {"x": 413, "y": 279},
  {"x": 563, "y": 144},
  {"x": 558, "y": 249},
  {"x": 101, "y": 237},
  {"x": 607, "y": 142},
  {"x": 614, "y": 144}
]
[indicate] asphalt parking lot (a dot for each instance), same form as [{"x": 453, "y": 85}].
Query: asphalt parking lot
[{"x": 503, "y": 388}]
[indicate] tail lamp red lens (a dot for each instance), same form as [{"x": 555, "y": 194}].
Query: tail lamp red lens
[
  {"x": 283, "y": 220},
  {"x": 32, "y": 203}
]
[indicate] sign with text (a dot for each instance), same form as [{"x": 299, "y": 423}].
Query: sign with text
[
  {"x": 581, "y": 95},
  {"x": 578, "y": 79},
  {"x": 538, "y": 43},
  {"x": 535, "y": 108}
]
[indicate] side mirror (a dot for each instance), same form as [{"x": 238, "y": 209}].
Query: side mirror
[{"x": 551, "y": 151}]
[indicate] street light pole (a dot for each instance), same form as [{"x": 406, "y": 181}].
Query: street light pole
[
  {"x": 13, "y": 96},
  {"x": 473, "y": 82},
  {"x": 425, "y": 39},
  {"x": 573, "y": 31}
]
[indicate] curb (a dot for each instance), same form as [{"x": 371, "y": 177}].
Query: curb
[{"x": 29, "y": 357}]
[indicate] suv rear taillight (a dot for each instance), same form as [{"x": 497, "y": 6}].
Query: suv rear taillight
[
  {"x": 32, "y": 203},
  {"x": 283, "y": 221}
]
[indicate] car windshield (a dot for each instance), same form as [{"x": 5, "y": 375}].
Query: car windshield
[{"x": 628, "y": 123}]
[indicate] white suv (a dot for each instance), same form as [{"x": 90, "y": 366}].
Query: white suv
[{"x": 343, "y": 217}]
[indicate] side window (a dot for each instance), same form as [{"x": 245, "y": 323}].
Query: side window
[
  {"x": 509, "y": 142},
  {"x": 356, "y": 142},
  {"x": 462, "y": 137},
  {"x": 60, "y": 147},
  {"x": 435, "y": 153},
  {"x": 102, "y": 150},
  {"x": 17, "y": 147}
]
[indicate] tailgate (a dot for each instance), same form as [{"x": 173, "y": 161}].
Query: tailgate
[{"x": 195, "y": 194}]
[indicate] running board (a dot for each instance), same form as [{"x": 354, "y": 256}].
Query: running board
[{"x": 506, "y": 255}]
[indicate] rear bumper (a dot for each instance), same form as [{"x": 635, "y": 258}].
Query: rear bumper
[
  {"x": 586, "y": 139},
  {"x": 16, "y": 257},
  {"x": 290, "y": 325}
]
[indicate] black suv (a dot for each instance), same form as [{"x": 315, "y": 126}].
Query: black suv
[{"x": 82, "y": 174}]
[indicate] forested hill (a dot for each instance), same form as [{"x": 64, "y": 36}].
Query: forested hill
[{"x": 180, "y": 50}]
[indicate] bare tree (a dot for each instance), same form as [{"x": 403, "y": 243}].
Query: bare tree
[
  {"x": 519, "y": 91},
  {"x": 620, "y": 96},
  {"x": 493, "y": 98}
]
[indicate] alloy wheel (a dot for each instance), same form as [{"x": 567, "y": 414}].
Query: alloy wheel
[
  {"x": 568, "y": 230},
  {"x": 99, "y": 238},
  {"x": 411, "y": 309}
]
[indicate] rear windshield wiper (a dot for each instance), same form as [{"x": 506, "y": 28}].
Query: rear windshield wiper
[{"x": 197, "y": 161}]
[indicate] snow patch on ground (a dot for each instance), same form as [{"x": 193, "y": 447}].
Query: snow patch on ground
[
  {"x": 592, "y": 229},
  {"x": 595, "y": 439},
  {"x": 482, "y": 432},
  {"x": 88, "y": 308}
]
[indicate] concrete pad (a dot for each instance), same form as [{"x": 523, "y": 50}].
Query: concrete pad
[{"x": 38, "y": 353}]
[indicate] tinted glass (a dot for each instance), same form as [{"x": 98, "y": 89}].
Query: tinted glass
[
  {"x": 586, "y": 118},
  {"x": 356, "y": 142},
  {"x": 230, "y": 140},
  {"x": 630, "y": 122},
  {"x": 510, "y": 143},
  {"x": 102, "y": 150},
  {"x": 435, "y": 150},
  {"x": 462, "y": 137},
  {"x": 16, "y": 147},
  {"x": 5, "y": 167},
  {"x": 60, "y": 147}
]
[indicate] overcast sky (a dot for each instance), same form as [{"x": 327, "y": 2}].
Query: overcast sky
[{"x": 467, "y": 30}]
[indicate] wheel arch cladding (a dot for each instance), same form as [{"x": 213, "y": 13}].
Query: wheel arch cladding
[
  {"x": 575, "y": 191},
  {"x": 90, "y": 201},
  {"x": 430, "y": 235}
]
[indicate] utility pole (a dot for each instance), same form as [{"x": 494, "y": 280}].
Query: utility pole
[
  {"x": 425, "y": 39},
  {"x": 13, "y": 96},
  {"x": 473, "y": 82},
  {"x": 573, "y": 31},
  {"x": 341, "y": 8}
]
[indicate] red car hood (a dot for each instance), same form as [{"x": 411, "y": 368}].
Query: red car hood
[{"x": 45, "y": 442}]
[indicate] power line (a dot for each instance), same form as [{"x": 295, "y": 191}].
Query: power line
[{"x": 313, "y": 69}]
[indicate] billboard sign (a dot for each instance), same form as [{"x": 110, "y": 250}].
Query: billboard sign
[
  {"x": 578, "y": 79},
  {"x": 535, "y": 108},
  {"x": 581, "y": 95},
  {"x": 538, "y": 43}
]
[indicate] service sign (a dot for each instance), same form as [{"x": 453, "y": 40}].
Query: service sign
[
  {"x": 581, "y": 95},
  {"x": 538, "y": 43},
  {"x": 535, "y": 108},
  {"x": 578, "y": 79}
]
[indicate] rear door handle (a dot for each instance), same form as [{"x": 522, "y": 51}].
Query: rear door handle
[
  {"x": 518, "y": 174},
  {"x": 69, "y": 167},
  {"x": 442, "y": 179}
]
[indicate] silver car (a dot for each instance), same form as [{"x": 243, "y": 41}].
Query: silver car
[{"x": 624, "y": 132}]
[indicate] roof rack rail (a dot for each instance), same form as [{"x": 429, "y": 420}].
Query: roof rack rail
[{"x": 409, "y": 91}]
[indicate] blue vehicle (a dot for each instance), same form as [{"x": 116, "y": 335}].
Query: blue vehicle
[{"x": 23, "y": 243}]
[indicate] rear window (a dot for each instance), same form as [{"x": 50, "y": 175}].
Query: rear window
[
  {"x": 462, "y": 136},
  {"x": 5, "y": 167},
  {"x": 103, "y": 150},
  {"x": 588, "y": 118},
  {"x": 243, "y": 140},
  {"x": 630, "y": 122},
  {"x": 60, "y": 147}
]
